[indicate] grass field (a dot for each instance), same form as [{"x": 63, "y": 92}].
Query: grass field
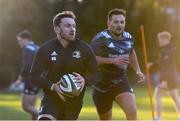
[{"x": 10, "y": 107}]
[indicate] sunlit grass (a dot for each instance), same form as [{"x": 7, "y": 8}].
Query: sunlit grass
[{"x": 10, "y": 107}]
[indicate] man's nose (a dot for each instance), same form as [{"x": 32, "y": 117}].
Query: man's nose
[{"x": 73, "y": 29}]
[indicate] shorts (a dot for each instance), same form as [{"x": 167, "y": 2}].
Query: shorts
[
  {"x": 104, "y": 100},
  {"x": 29, "y": 88},
  {"x": 68, "y": 110}
]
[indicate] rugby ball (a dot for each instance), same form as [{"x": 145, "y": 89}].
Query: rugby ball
[{"x": 69, "y": 86}]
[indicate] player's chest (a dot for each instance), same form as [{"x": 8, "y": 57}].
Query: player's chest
[
  {"x": 119, "y": 47},
  {"x": 65, "y": 58}
]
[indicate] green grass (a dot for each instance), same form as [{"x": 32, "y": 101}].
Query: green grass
[{"x": 10, "y": 107}]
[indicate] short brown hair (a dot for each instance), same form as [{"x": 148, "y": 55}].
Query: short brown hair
[
  {"x": 25, "y": 34},
  {"x": 59, "y": 16},
  {"x": 116, "y": 11}
]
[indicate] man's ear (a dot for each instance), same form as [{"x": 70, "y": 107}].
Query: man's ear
[
  {"x": 108, "y": 22},
  {"x": 56, "y": 29}
]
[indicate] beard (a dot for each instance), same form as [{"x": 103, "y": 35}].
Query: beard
[
  {"x": 117, "y": 34},
  {"x": 116, "y": 31},
  {"x": 62, "y": 35}
]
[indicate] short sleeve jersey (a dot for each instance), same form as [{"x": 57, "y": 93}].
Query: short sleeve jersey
[{"x": 104, "y": 45}]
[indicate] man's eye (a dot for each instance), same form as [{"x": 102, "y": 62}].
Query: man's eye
[
  {"x": 116, "y": 22},
  {"x": 122, "y": 22},
  {"x": 68, "y": 26}
]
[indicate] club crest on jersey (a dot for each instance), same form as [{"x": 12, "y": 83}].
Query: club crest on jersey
[
  {"x": 53, "y": 56},
  {"x": 76, "y": 54},
  {"x": 128, "y": 44},
  {"x": 121, "y": 51}
]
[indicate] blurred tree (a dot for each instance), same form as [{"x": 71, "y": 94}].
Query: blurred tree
[
  {"x": 36, "y": 16},
  {"x": 17, "y": 15}
]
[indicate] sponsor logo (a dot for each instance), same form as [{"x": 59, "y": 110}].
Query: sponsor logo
[
  {"x": 111, "y": 45},
  {"x": 53, "y": 56},
  {"x": 54, "y": 53}
]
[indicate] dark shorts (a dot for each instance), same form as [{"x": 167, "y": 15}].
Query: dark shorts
[
  {"x": 29, "y": 88},
  {"x": 104, "y": 100},
  {"x": 68, "y": 110}
]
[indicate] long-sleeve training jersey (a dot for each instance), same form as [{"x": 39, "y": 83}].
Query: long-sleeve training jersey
[
  {"x": 28, "y": 54},
  {"x": 53, "y": 60}
]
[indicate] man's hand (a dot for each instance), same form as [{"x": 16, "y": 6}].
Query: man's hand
[
  {"x": 140, "y": 77},
  {"x": 17, "y": 83},
  {"x": 149, "y": 64},
  {"x": 80, "y": 80},
  {"x": 120, "y": 60},
  {"x": 58, "y": 90}
]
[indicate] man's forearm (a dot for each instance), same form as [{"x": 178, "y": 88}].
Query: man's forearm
[
  {"x": 104, "y": 60},
  {"x": 134, "y": 62},
  {"x": 19, "y": 77},
  {"x": 41, "y": 82}
]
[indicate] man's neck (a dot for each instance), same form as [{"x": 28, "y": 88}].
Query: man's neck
[
  {"x": 119, "y": 37},
  {"x": 28, "y": 42},
  {"x": 63, "y": 42}
]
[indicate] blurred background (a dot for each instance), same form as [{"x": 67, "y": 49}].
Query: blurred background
[{"x": 36, "y": 16}]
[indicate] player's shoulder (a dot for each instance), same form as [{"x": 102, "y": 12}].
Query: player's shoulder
[
  {"x": 84, "y": 46},
  {"x": 103, "y": 35},
  {"x": 48, "y": 44},
  {"x": 127, "y": 35},
  {"x": 31, "y": 47}
]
